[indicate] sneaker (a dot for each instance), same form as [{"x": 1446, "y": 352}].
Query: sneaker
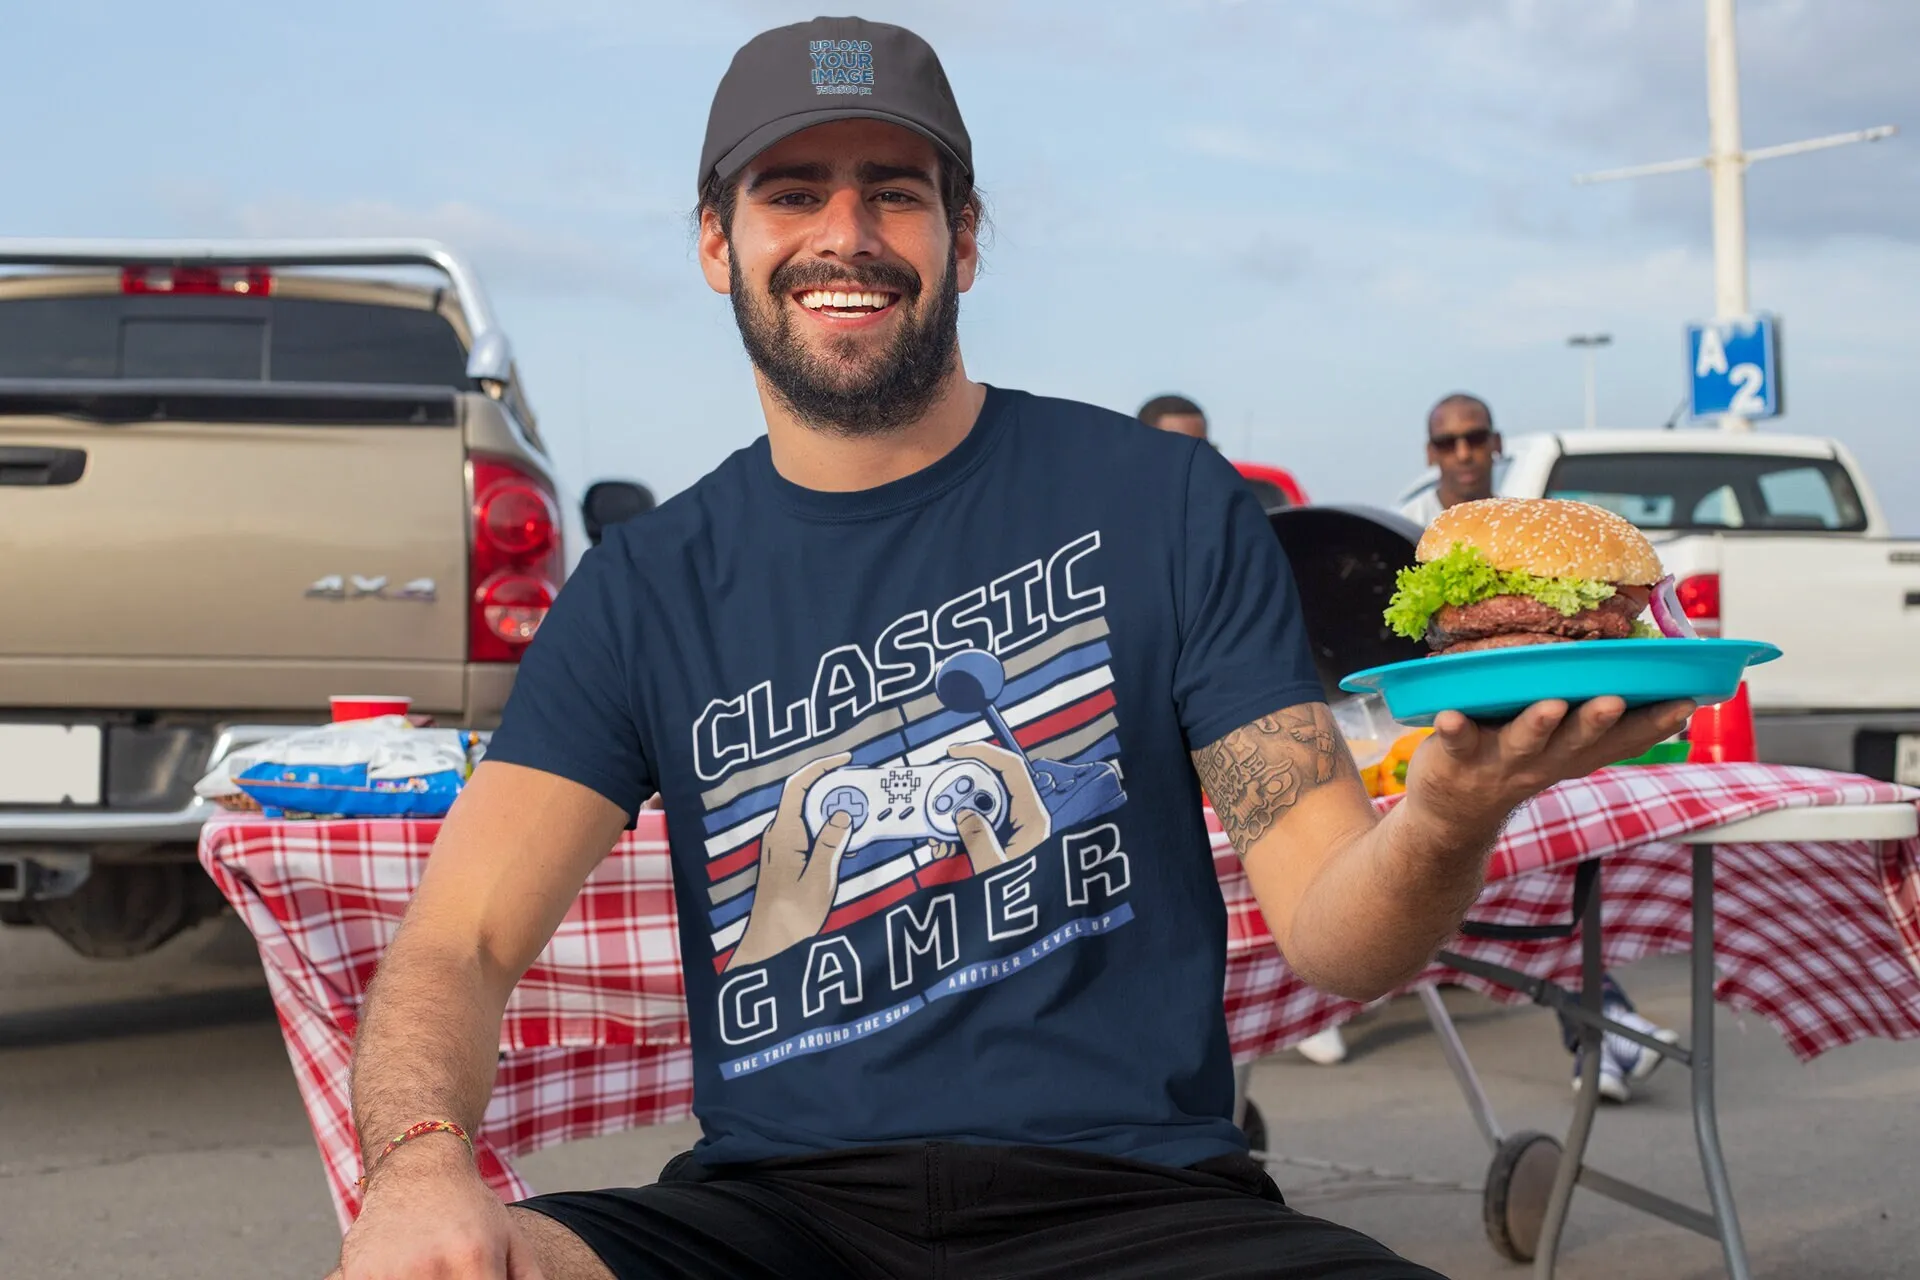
[
  {"x": 1636, "y": 1059},
  {"x": 1324, "y": 1048},
  {"x": 1613, "y": 1077}
]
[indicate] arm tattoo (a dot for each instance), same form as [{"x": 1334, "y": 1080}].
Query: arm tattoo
[{"x": 1260, "y": 770}]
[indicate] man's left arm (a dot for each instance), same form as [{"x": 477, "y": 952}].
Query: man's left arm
[{"x": 1359, "y": 903}]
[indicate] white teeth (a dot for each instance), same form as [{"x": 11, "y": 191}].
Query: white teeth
[{"x": 822, "y": 299}]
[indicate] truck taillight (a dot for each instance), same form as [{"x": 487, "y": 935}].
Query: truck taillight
[
  {"x": 515, "y": 562},
  {"x": 517, "y": 518},
  {"x": 1699, "y": 597},
  {"x": 252, "y": 281},
  {"x": 512, "y": 606}
]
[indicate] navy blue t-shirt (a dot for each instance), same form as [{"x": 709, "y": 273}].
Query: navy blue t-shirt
[{"x": 1047, "y": 970}]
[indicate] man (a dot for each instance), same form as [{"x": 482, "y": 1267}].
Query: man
[
  {"x": 1462, "y": 443},
  {"x": 1176, "y": 414},
  {"x": 930, "y": 677}
]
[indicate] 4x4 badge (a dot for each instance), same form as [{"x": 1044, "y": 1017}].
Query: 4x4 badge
[{"x": 354, "y": 587}]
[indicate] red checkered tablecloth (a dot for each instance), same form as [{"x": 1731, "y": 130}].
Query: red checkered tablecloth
[{"x": 1823, "y": 940}]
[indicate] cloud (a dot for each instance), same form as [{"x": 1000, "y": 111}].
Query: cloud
[
  {"x": 1297, "y": 153},
  {"x": 1273, "y": 260},
  {"x": 1625, "y": 83},
  {"x": 509, "y": 254},
  {"x": 1226, "y": 142},
  {"x": 1062, "y": 32}
]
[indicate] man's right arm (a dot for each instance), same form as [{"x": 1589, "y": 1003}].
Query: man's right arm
[{"x": 510, "y": 859}]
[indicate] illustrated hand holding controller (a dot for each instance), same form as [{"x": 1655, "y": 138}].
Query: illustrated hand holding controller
[
  {"x": 887, "y": 804},
  {"x": 907, "y": 802},
  {"x": 992, "y": 801}
]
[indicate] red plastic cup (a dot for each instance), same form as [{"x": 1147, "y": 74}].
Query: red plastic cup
[
  {"x": 1723, "y": 732},
  {"x": 366, "y": 706}
]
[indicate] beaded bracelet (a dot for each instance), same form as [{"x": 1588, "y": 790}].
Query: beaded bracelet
[{"x": 417, "y": 1131}]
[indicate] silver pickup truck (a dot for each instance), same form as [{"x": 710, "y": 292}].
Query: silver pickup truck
[{"x": 235, "y": 479}]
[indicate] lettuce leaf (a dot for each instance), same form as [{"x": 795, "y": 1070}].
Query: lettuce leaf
[{"x": 1463, "y": 577}]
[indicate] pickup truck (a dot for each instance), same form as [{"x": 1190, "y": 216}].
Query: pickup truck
[
  {"x": 1769, "y": 537},
  {"x": 235, "y": 479}
]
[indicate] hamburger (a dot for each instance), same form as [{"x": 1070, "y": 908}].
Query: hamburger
[{"x": 1503, "y": 572}]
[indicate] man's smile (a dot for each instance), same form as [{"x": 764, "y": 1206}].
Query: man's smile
[{"x": 844, "y": 306}]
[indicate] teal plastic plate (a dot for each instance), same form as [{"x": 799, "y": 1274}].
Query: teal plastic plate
[{"x": 1497, "y": 684}]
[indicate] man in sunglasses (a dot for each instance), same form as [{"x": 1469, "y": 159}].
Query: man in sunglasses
[{"x": 1462, "y": 444}]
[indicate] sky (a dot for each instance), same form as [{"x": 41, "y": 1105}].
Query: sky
[{"x": 1314, "y": 217}]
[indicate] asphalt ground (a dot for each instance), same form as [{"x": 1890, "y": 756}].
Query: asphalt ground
[{"x": 150, "y": 1128}]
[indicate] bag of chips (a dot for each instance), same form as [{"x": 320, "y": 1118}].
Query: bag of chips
[{"x": 379, "y": 768}]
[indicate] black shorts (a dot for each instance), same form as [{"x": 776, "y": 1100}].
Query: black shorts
[{"x": 941, "y": 1210}]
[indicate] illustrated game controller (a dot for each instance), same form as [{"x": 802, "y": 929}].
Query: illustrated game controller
[
  {"x": 905, "y": 801},
  {"x": 969, "y": 682}
]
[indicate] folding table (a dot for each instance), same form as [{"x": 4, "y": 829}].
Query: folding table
[{"x": 1532, "y": 1178}]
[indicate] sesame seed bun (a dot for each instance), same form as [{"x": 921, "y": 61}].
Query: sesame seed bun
[{"x": 1548, "y": 537}]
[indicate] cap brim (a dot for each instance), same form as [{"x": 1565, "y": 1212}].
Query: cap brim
[{"x": 766, "y": 135}]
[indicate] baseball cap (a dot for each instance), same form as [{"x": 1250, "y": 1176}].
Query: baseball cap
[{"x": 792, "y": 78}]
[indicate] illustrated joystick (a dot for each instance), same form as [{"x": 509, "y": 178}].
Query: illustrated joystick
[{"x": 968, "y": 682}]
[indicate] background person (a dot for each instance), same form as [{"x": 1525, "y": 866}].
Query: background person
[
  {"x": 1463, "y": 444},
  {"x": 1176, "y": 414}
]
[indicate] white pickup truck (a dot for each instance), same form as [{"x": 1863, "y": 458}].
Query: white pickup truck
[{"x": 1769, "y": 537}]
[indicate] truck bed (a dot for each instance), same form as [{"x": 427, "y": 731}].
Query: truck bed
[{"x": 1845, "y": 612}]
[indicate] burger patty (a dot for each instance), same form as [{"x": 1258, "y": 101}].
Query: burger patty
[
  {"x": 1510, "y": 640},
  {"x": 1612, "y": 619}
]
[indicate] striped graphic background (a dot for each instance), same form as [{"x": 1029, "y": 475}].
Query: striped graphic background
[{"x": 1059, "y": 702}]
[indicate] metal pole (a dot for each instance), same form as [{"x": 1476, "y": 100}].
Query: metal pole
[
  {"x": 1462, "y": 1067},
  {"x": 1593, "y": 409},
  {"x": 1588, "y": 342},
  {"x": 1573, "y": 1155},
  {"x": 1706, "y": 1123},
  {"x": 1728, "y": 166}
]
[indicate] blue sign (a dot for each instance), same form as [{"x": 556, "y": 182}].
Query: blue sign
[{"x": 1735, "y": 368}]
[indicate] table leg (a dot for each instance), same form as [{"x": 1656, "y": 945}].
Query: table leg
[
  {"x": 1706, "y": 1125},
  {"x": 1461, "y": 1065},
  {"x": 1573, "y": 1155}
]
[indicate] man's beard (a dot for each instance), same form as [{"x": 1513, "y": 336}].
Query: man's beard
[{"x": 894, "y": 387}]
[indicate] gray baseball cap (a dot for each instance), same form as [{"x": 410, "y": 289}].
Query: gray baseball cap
[{"x": 792, "y": 78}]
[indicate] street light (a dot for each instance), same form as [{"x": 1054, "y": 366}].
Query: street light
[{"x": 1589, "y": 342}]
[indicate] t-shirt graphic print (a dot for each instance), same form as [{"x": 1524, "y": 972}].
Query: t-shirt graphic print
[{"x": 950, "y": 773}]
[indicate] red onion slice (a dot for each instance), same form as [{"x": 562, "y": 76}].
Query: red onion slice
[{"x": 1667, "y": 613}]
